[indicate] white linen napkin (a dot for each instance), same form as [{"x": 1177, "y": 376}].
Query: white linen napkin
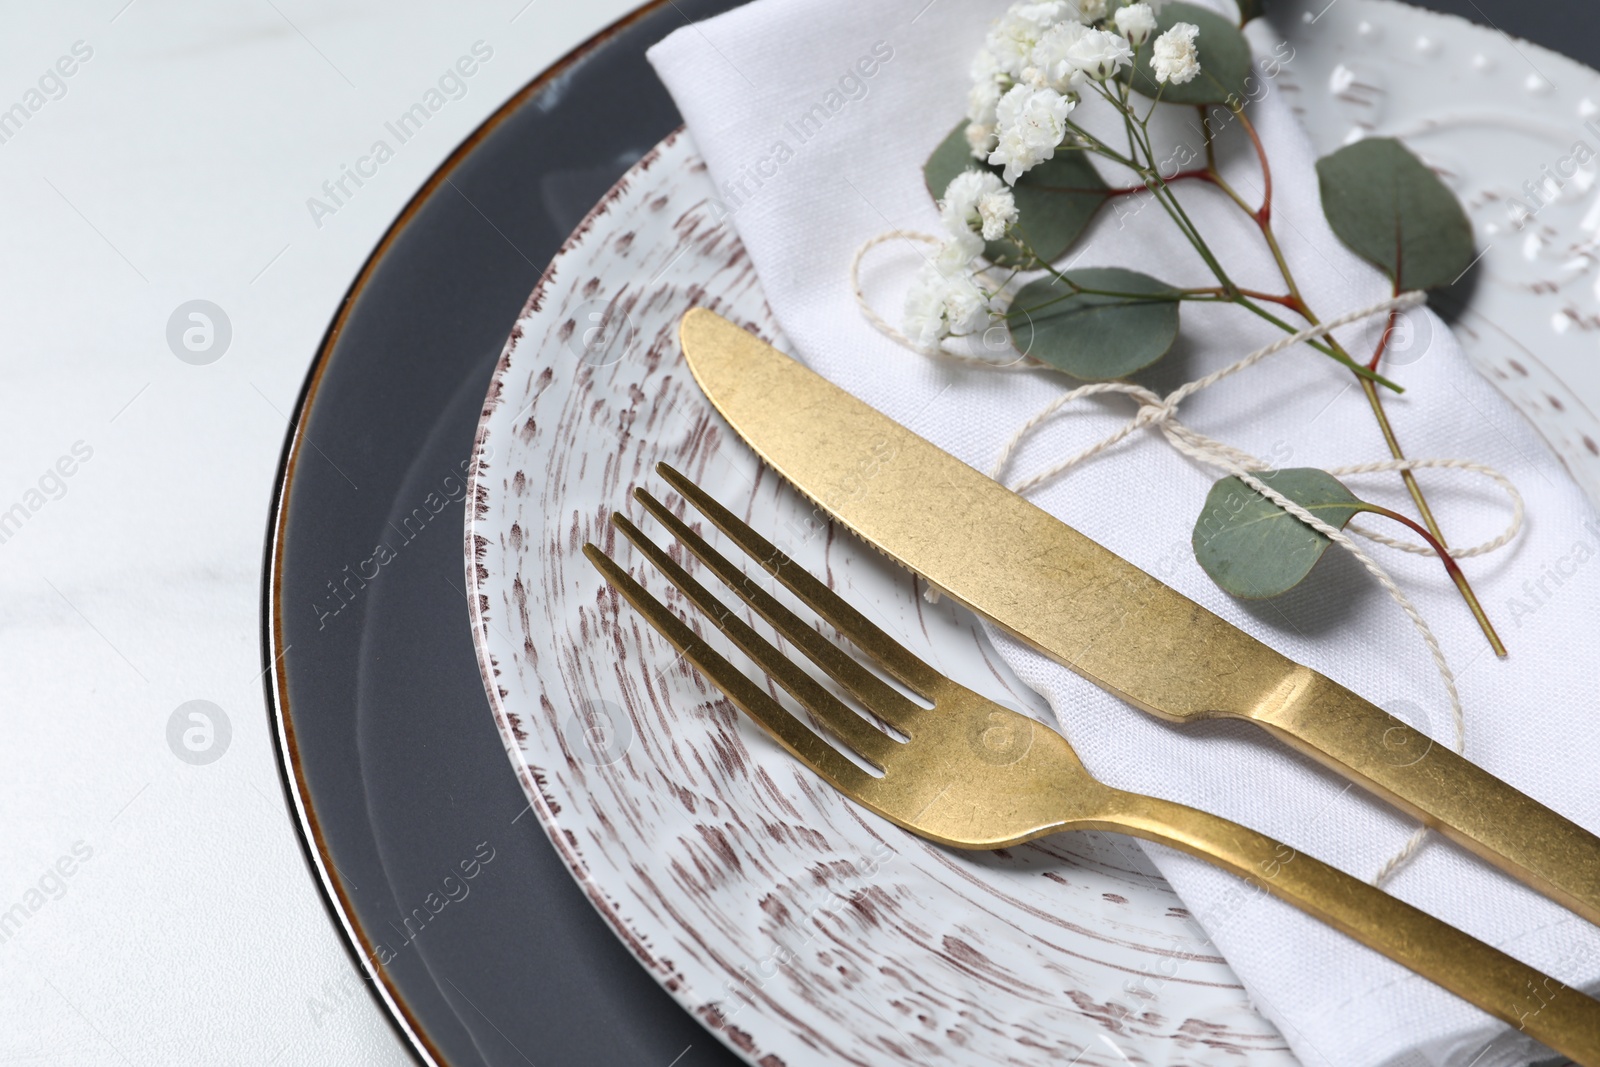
[{"x": 815, "y": 117}]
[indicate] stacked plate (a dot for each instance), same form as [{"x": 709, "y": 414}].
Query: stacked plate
[{"x": 649, "y": 871}]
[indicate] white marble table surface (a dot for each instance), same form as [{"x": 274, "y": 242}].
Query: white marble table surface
[{"x": 156, "y": 910}]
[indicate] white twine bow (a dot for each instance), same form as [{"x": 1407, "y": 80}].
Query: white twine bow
[{"x": 1161, "y": 412}]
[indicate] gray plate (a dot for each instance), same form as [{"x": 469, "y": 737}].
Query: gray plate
[
  {"x": 390, "y": 760},
  {"x": 389, "y": 756}
]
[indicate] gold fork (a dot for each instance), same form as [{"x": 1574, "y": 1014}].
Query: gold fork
[{"x": 970, "y": 773}]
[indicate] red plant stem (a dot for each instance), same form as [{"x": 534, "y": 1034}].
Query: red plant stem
[
  {"x": 1383, "y": 342},
  {"x": 1272, "y": 298},
  {"x": 1202, "y": 174},
  {"x": 1264, "y": 212},
  {"x": 1451, "y": 568},
  {"x": 1389, "y": 438}
]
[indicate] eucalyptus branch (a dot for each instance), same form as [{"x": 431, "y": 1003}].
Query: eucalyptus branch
[
  {"x": 1435, "y": 535},
  {"x": 1331, "y": 348},
  {"x": 1037, "y": 69}
]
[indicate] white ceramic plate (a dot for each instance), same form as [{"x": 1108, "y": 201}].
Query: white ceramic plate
[
  {"x": 792, "y": 922},
  {"x": 798, "y": 927}
]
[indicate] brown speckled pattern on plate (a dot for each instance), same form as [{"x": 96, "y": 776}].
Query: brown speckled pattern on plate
[{"x": 798, "y": 927}]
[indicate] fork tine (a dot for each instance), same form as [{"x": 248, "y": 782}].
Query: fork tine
[
  {"x": 880, "y": 698},
  {"x": 801, "y": 741},
  {"x": 838, "y": 718},
  {"x": 864, "y": 634}
]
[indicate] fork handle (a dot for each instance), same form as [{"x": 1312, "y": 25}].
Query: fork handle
[{"x": 1563, "y": 1018}]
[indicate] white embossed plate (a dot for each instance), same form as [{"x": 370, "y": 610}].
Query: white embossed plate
[
  {"x": 1493, "y": 116},
  {"x": 798, "y": 927}
]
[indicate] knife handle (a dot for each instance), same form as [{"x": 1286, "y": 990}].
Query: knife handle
[
  {"x": 1429, "y": 782},
  {"x": 1534, "y": 1003}
]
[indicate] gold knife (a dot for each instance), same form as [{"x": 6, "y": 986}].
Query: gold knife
[{"x": 1089, "y": 609}]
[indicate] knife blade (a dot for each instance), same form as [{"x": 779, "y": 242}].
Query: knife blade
[{"x": 1075, "y": 601}]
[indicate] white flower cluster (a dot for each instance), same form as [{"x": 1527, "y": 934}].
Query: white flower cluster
[
  {"x": 1175, "y": 58},
  {"x": 977, "y": 199},
  {"x": 946, "y": 298},
  {"x": 1030, "y": 75},
  {"x": 1037, "y": 58}
]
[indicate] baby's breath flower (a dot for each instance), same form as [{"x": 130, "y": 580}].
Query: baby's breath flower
[
  {"x": 966, "y": 307},
  {"x": 925, "y": 324},
  {"x": 978, "y": 197},
  {"x": 1091, "y": 10},
  {"x": 1014, "y": 34},
  {"x": 960, "y": 248},
  {"x": 1099, "y": 54},
  {"x": 981, "y": 102},
  {"x": 1175, "y": 58},
  {"x": 943, "y": 302},
  {"x": 981, "y": 140},
  {"x": 960, "y": 203},
  {"x": 985, "y": 68},
  {"x": 1050, "y": 67},
  {"x": 1136, "y": 22},
  {"x": 1031, "y": 123},
  {"x": 997, "y": 211}
]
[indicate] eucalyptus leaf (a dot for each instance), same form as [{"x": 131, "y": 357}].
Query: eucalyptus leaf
[
  {"x": 1254, "y": 549},
  {"x": 1225, "y": 64},
  {"x": 1395, "y": 213},
  {"x": 1055, "y": 200},
  {"x": 1093, "y": 336}
]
